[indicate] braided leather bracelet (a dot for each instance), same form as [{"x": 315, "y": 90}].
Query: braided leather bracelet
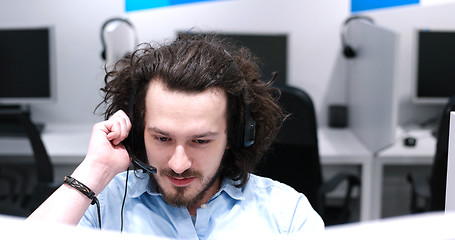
[{"x": 81, "y": 188}]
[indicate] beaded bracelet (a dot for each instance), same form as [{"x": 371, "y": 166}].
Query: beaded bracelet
[{"x": 81, "y": 188}]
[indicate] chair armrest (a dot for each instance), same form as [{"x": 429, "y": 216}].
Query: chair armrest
[
  {"x": 336, "y": 180},
  {"x": 329, "y": 186},
  {"x": 420, "y": 189},
  {"x": 419, "y": 185}
]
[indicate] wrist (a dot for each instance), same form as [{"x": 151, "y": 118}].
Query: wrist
[
  {"x": 94, "y": 175},
  {"x": 82, "y": 188}
]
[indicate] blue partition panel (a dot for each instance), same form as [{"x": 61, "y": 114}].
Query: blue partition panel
[
  {"x": 134, "y": 5},
  {"x": 364, "y": 5}
]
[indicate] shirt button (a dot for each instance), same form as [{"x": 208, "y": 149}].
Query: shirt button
[{"x": 203, "y": 205}]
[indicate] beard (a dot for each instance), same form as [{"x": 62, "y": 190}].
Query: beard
[{"x": 181, "y": 196}]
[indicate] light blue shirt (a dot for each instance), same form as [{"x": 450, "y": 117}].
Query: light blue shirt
[{"x": 262, "y": 207}]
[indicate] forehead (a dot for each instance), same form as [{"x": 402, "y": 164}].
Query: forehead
[
  {"x": 157, "y": 90},
  {"x": 171, "y": 108}
]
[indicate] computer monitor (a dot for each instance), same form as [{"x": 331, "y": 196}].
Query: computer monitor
[
  {"x": 27, "y": 65},
  {"x": 271, "y": 49},
  {"x": 434, "y": 68}
]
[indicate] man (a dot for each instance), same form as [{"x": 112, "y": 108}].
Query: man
[{"x": 195, "y": 110}]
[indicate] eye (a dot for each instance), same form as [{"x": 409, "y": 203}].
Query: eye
[
  {"x": 201, "y": 141},
  {"x": 162, "y": 139}
]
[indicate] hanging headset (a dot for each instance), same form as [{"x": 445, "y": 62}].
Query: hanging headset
[
  {"x": 103, "y": 28},
  {"x": 349, "y": 51}
]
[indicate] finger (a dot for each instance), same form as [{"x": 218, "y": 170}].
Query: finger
[
  {"x": 116, "y": 136},
  {"x": 124, "y": 119},
  {"x": 118, "y": 127},
  {"x": 125, "y": 126}
]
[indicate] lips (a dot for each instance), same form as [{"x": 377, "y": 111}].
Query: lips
[{"x": 181, "y": 182}]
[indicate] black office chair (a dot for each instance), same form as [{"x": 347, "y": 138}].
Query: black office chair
[
  {"x": 25, "y": 203},
  {"x": 294, "y": 158},
  {"x": 431, "y": 190}
]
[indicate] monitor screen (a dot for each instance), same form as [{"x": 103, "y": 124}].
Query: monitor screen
[
  {"x": 271, "y": 49},
  {"x": 25, "y": 65},
  {"x": 435, "y": 66}
]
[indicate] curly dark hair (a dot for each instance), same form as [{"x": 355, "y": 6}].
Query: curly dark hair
[{"x": 191, "y": 64}]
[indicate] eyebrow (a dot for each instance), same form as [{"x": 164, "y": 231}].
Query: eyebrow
[
  {"x": 157, "y": 130},
  {"x": 200, "y": 135}
]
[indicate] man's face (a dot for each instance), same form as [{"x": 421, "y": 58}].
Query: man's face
[{"x": 185, "y": 137}]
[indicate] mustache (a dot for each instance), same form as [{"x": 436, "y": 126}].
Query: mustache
[{"x": 187, "y": 173}]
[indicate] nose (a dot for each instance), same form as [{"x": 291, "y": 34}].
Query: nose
[{"x": 179, "y": 161}]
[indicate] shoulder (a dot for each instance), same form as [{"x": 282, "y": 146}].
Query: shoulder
[
  {"x": 278, "y": 195},
  {"x": 291, "y": 209},
  {"x": 264, "y": 185}
]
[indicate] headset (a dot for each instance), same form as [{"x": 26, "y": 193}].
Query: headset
[
  {"x": 247, "y": 134},
  {"x": 349, "y": 51},
  {"x": 109, "y": 21}
]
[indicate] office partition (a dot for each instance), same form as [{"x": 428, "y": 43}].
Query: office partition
[{"x": 371, "y": 84}]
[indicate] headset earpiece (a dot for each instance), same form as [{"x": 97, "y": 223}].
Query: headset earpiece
[
  {"x": 349, "y": 52},
  {"x": 246, "y": 135},
  {"x": 249, "y": 134},
  {"x": 103, "y": 54}
]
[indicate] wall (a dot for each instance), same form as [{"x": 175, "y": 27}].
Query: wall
[
  {"x": 315, "y": 61},
  {"x": 79, "y": 66}
]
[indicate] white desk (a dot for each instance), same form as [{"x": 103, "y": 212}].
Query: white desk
[
  {"x": 67, "y": 145},
  {"x": 399, "y": 154},
  {"x": 434, "y": 225}
]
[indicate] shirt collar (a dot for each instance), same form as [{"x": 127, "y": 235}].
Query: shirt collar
[
  {"x": 139, "y": 183},
  {"x": 228, "y": 186}
]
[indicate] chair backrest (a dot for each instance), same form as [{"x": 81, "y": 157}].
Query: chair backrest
[
  {"x": 439, "y": 169},
  {"x": 294, "y": 156}
]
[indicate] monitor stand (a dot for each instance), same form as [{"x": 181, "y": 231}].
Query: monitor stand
[{"x": 10, "y": 126}]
